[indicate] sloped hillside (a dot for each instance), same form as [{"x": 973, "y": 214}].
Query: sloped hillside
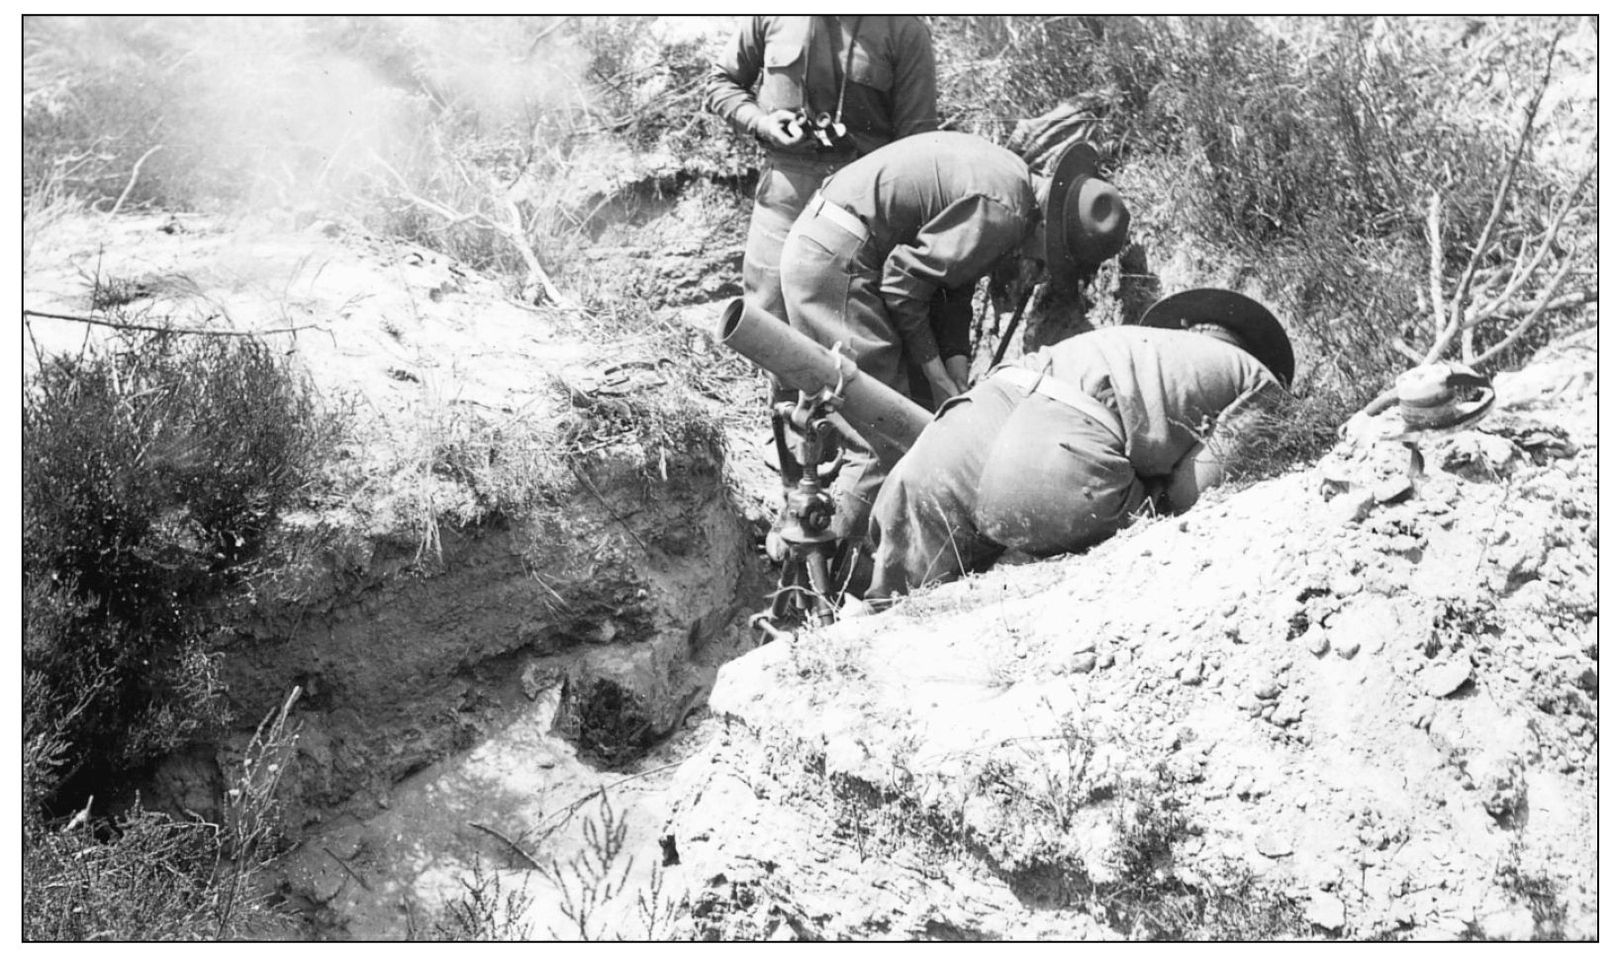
[{"x": 1336, "y": 704}]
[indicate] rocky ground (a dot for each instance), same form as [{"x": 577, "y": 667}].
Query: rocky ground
[{"x": 1337, "y": 704}]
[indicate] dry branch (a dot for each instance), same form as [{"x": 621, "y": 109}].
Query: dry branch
[
  {"x": 1462, "y": 290},
  {"x": 133, "y": 175},
  {"x": 1433, "y": 231},
  {"x": 511, "y": 231},
  {"x": 552, "y": 823},
  {"x": 1526, "y": 322},
  {"x": 168, "y": 329},
  {"x": 508, "y": 842},
  {"x": 1464, "y": 309}
]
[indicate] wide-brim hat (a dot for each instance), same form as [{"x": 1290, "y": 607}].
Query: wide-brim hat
[
  {"x": 1085, "y": 220},
  {"x": 1263, "y": 335}
]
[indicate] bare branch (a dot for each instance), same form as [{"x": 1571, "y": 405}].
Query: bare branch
[
  {"x": 1407, "y": 350},
  {"x": 1462, "y": 290},
  {"x": 1569, "y": 300},
  {"x": 1526, "y": 322},
  {"x": 508, "y": 842},
  {"x": 133, "y": 175},
  {"x": 1520, "y": 276},
  {"x": 168, "y": 329},
  {"x": 512, "y": 230},
  {"x": 1433, "y": 234},
  {"x": 517, "y": 235}
]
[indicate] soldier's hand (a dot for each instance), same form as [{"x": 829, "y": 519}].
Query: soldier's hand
[
  {"x": 942, "y": 385},
  {"x": 959, "y": 370},
  {"x": 780, "y": 128}
]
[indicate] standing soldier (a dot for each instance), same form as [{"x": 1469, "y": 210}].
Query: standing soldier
[{"x": 832, "y": 88}]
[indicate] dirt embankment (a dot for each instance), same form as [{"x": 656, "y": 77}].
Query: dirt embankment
[
  {"x": 518, "y": 500},
  {"x": 1336, "y": 704}
]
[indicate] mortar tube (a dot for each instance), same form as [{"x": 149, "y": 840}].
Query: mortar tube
[{"x": 888, "y": 421}]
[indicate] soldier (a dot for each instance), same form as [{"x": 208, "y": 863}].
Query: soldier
[
  {"x": 832, "y": 88},
  {"x": 925, "y": 217},
  {"x": 1058, "y": 450}
]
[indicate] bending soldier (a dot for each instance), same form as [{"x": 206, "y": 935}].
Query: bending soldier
[
  {"x": 1057, "y": 451},
  {"x": 927, "y": 216}
]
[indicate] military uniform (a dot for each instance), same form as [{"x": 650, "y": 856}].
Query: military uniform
[
  {"x": 888, "y": 236},
  {"x": 1054, "y": 452},
  {"x": 798, "y": 62}
]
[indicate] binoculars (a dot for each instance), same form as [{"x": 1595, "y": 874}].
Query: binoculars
[{"x": 822, "y": 127}]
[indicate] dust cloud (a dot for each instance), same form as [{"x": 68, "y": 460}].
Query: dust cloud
[{"x": 293, "y": 110}]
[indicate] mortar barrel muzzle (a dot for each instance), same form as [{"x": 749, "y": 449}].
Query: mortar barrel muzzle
[{"x": 888, "y": 421}]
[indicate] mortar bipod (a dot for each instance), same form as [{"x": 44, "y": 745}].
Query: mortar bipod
[{"x": 805, "y": 582}]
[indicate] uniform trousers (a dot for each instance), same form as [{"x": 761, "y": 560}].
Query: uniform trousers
[
  {"x": 785, "y": 184},
  {"x": 831, "y": 281},
  {"x": 998, "y": 469}
]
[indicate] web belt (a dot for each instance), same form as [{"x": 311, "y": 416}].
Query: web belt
[
  {"x": 1039, "y": 382},
  {"x": 838, "y": 216}
]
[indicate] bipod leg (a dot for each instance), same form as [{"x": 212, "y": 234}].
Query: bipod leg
[{"x": 819, "y": 583}]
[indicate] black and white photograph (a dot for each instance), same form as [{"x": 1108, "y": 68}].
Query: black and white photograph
[{"x": 728, "y": 478}]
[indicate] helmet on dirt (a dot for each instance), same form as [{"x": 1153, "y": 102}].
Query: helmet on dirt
[
  {"x": 1085, "y": 219},
  {"x": 1260, "y": 333},
  {"x": 1443, "y": 396}
]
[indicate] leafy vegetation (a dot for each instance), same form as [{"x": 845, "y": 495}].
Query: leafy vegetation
[
  {"x": 152, "y": 475},
  {"x": 147, "y": 876}
]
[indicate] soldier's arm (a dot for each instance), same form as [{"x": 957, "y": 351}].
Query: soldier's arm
[
  {"x": 1207, "y": 463},
  {"x": 732, "y": 76},
  {"x": 914, "y": 79},
  {"x": 954, "y": 249}
]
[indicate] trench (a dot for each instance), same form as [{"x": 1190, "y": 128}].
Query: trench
[{"x": 524, "y": 755}]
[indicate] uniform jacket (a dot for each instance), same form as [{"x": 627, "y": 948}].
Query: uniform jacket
[
  {"x": 942, "y": 209},
  {"x": 1168, "y": 387},
  {"x": 892, "y": 87}
]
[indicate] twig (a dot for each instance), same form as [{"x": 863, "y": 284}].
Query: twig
[
  {"x": 1462, "y": 290},
  {"x": 1561, "y": 303},
  {"x": 516, "y": 235},
  {"x": 511, "y": 231},
  {"x": 164, "y": 329},
  {"x": 344, "y": 864},
  {"x": 562, "y": 816},
  {"x": 513, "y": 845},
  {"x": 1526, "y": 322},
  {"x": 545, "y": 33},
  {"x": 1433, "y": 231},
  {"x": 1404, "y": 348},
  {"x": 1520, "y": 276},
  {"x": 590, "y": 486},
  {"x": 133, "y": 175}
]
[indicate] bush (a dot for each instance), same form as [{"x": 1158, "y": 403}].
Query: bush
[
  {"x": 150, "y": 877},
  {"x": 152, "y": 475},
  {"x": 1303, "y": 151}
]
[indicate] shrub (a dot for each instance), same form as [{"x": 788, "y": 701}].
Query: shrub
[
  {"x": 152, "y": 474},
  {"x": 150, "y": 877},
  {"x": 1304, "y": 151}
]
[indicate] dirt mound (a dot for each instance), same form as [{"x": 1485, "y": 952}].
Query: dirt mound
[
  {"x": 524, "y": 496},
  {"x": 1337, "y": 704}
]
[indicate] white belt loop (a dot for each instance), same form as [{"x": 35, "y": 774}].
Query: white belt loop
[
  {"x": 1036, "y": 382},
  {"x": 838, "y": 216}
]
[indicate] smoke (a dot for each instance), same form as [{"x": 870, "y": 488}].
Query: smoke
[{"x": 284, "y": 111}]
